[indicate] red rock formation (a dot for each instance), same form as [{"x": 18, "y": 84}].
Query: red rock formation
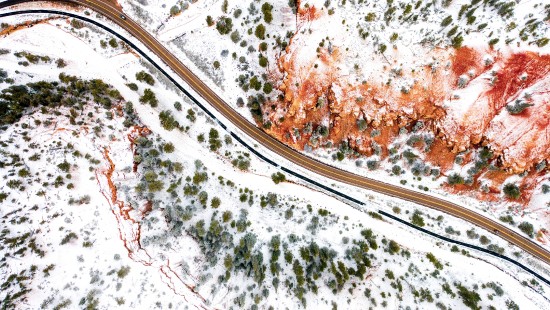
[{"x": 463, "y": 104}]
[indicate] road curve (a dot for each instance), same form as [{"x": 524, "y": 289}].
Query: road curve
[{"x": 113, "y": 13}]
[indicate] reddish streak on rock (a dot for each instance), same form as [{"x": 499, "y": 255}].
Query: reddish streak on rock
[
  {"x": 146, "y": 209},
  {"x": 24, "y": 25},
  {"x": 464, "y": 60},
  {"x": 309, "y": 13},
  {"x": 131, "y": 237},
  {"x": 170, "y": 274},
  {"x": 384, "y": 107},
  {"x": 508, "y": 83},
  {"x": 121, "y": 210},
  {"x": 440, "y": 154}
]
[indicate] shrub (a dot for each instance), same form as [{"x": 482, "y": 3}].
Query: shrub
[
  {"x": 260, "y": 32},
  {"x": 452, "y": 32},
  {"x": 203, "y": 198},
  {"x": 447, "y": 21},
  {"x": 417, "y": 219},
  {"x": 434, "y": 261},
  {"x": 175, "y": 10},
  {"x": 224, "y": 25},
  {"x": 209, "y": 20},
  {"x": 61, "y": 63},
  {"x": 495, "y": 248},
  {"x": 511, "y": 305},
  {"x": 517, "y": 107},
  {"x": 215, "y": 203},
  {"x": 455, "y": 178},
  {"x": 373, "y": 164},
  {"x": 113, "y": 43},
  {"x": 143, "y": 76},
  {"x": 266, "y": 10},
  {"x": 64, "y": 166},
  {"x": 237, "y": 13},
  {"x": 123, "y": 272},
  {"x": 149, "y": 97},
  {"x": 278, "y": 177},
  {"x": 262, "y": 61},
  {"x": 235, "y": 36},
  {"x": 167, "y": 120},
  {"x": 155, "y": 186},
  {"x": 70, "y": 236},
  {"x": 471, "y": 233},
  {"x": 168, "y": 148},
  {"x": 527, "y": 228},
  {"x": 542, "y": 42},
  {"x": 268, "y": 88},
  {"x": 469, "y": 298},
  {"x": 191, "y": 115},
  {"x": 511, "y": 191},
  {"x": 484, "y": 240},
  {"x": 213, "y": 140},
  {"x": 393, "y": 247},
  {"x": 255, "y": 83},
  {"x": 132, "y": 86},
  {"x": 507, "y": 219},
  {"x": 396, "y": 170},
  {"x": 456, "y": 42},
  {"x": 375, "y": 215},
  {"x": 227, "y": 216},
  {"x": 409, "y": 155},
  {"x": 361, "y": 124}
]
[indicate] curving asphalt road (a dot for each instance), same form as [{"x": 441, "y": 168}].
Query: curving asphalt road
[{"x": 113, "y": 13}]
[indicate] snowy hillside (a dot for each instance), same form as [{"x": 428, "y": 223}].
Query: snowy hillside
[{"x": 118, "y": 192}]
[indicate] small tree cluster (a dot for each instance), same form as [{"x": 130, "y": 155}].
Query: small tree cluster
[
  {"x": 527, "y": 228},
  {"x": 417, "y": 219},
  {"x": 149, "y": 97},
  {"x": 224, "y": 25},
  {"x": 143, "y": 76},
  {"x": 266, "y": 10},
  {"x": 278, "y": 177},
  {"x": 167, "y": 120},
  {"x": 214, "y": 140},
  {"x": 511, "y": 191}
]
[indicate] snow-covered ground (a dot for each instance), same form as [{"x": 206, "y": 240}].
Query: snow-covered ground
[
  {"x": 417, "y": 46},
  {"x": 167, "y": 262}
]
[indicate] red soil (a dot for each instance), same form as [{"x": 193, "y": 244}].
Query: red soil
[
  {"x": 441, "y": 155},
  {"x": 464, "y": 60},
  {"x": 508, "y": 81},
  {"x": 309, "y": 13},
  {"x": 26, "y": 24}
]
